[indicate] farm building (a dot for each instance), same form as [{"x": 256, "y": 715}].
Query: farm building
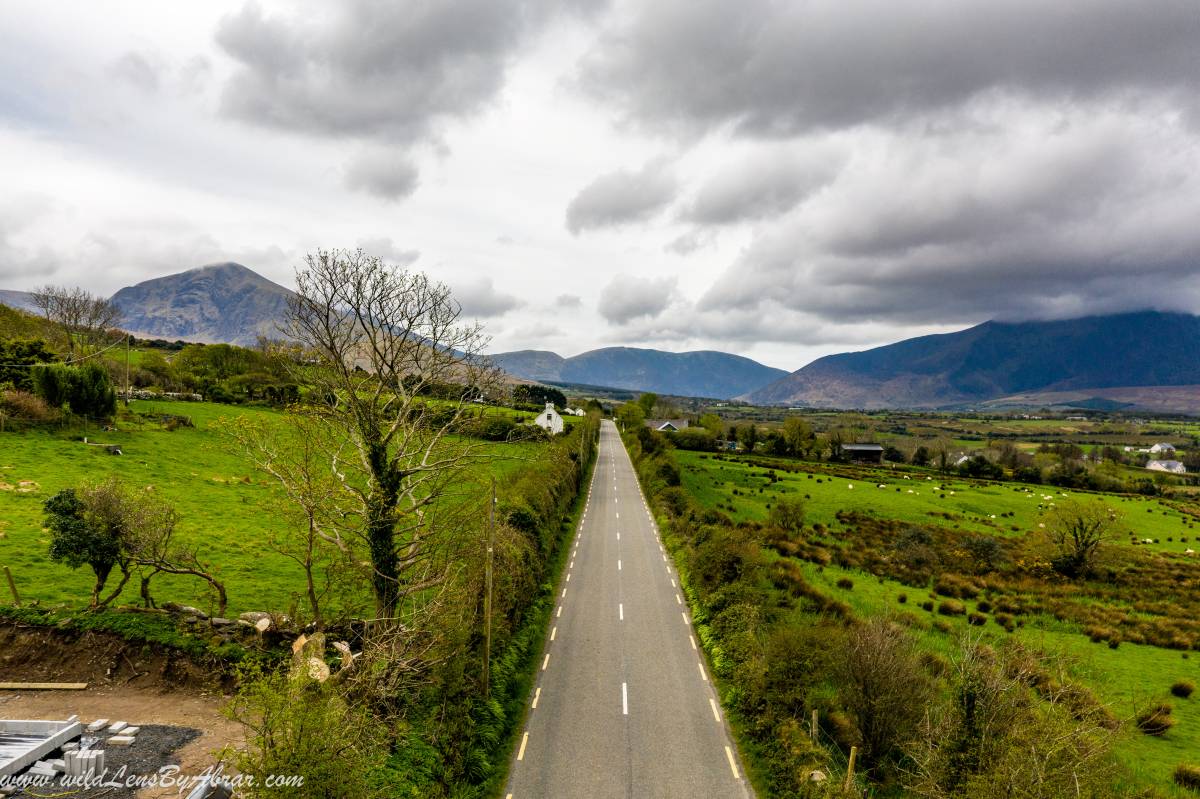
[
  {"x": 1174, "y": 467},
  {"x": 549, "y": 420},
  {"x": 863, "y": 453},
  {"x": 667, "y": 425},
  {"x": 1162, "y": 449}
]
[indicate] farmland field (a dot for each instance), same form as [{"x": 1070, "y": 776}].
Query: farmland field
[
  {"x": 225, "y": 504},
  {"x": 1124, "y": 675}
]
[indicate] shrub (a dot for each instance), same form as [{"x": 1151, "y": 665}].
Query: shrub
[
  {"x": 1187, "y": 776},
  {"x": 976, "y": 619},
  {"x": 1155, "y": 719},
  {"x": 951, "y": 607},
  {"x": 846, "y": 583},
  {"x": 984, "y": 606},
  {"x": 1005, "y": 620},
  {"x": 927, "y": 605},
  {"x": 902, "y": 598},
  {"x": 30, "y": 407},
  {"x": 1183, "y": 689},
  {"x": 942, "y": 626}
]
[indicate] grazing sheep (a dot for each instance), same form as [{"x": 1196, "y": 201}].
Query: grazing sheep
[{"x": 1189, "y": 551}]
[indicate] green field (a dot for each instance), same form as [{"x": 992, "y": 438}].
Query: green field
[
  {"x": 228, "y": 509},
  {"x": 1124, "y": 678},
  {"x": 917, "y": 497}
]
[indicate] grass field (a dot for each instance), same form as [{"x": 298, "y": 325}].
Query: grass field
[
  {"x": 227, "y": 508},
  {"x": 1125, "y": 678},
  {"x": 969, "y": 505}
]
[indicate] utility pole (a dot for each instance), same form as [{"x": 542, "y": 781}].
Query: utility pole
[{"x": 487, "y": 597}]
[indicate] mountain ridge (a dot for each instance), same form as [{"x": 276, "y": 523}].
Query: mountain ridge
[
  {"x": 698, "y": 373},
  {"x": 997, "y": 359},
  {"x": 222, "y": 302}
]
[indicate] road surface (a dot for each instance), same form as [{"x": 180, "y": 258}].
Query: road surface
[{"x": 623, "y": 705}]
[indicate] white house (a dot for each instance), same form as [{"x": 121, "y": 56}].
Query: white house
[
  {"x": 576, "y": 411},
  {"x": 549, "y": 420},
  {"x": 1159, "y": 449},
  {"x": 1174, "y": 467},
  {"x": 667, "y": 425}
]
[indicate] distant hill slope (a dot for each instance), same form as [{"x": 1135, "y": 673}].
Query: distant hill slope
[
  {"x": 691, "y": 374},
  {"x": 21, "y": 300},
  {"x": 1001, "y": 359},
  {"x": 216, "y": 303}
]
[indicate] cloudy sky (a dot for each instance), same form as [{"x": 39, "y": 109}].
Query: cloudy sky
[{"x": 777, "y": 178}]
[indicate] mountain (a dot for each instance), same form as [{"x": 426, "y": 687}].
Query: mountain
[
  {"x": 688, "y": 374},
  {"x": 1000, "y": 359},
  {"x": 216, "y": 303},
  {"x": 21, "y": 300}
]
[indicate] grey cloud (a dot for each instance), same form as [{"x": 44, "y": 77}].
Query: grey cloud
[
  {"x": 1070, "y": 213},
  {"x": 768, "y": 183},
  {"x": 387, "y": 174},
  {"x": 627, "y": 298},
  {"x": 481, "y": 299},
  {"x": 388, "y": 250},
  {"x": 690, "y": 242},
  {"x": 776, "y": 68},
  {"x": 568, "y": 301},
  {"x": 622, "y": 198},
  {"x": 370, "y": 68}
]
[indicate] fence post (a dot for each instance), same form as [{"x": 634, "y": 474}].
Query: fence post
[
  {"x": 850, "y": 770},
  {"x": 812, "y": 733},
  {"x": 12, "y": 586}
]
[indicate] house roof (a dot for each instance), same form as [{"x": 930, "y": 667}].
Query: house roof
[
  {"x": 1167, "y": 466},
  {"x": 659, "y": 424},
  {"x": 863, "y": 447}
]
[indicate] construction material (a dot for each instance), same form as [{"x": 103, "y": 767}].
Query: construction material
[
  {"x": 97, "y": 725},
  {"x": 121, "y": 740},
  {"x": 23, "y": 743},
  {"x": 43, "y": 686},
  {"x": 117, "y": 726}
]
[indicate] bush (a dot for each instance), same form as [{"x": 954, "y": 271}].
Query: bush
[
  {"x": 976, "y": 619},
  {"x": 951, "y": 607},
  {"x": 1187, "y": 776},
  {"x": 1155, "y": 719},
  {"x": 787, "y": 515},
  {"x": 902, "y": 598},
  {"x": 927, "y": 605},
  {"x": 25, "y": 406},
  {"x": 297, "y": 726},
  {"x": 1183, "y": 689},
  {"x": 845, "y": 582}
]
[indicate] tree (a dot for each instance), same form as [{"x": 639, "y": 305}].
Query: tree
[
  {"x": 798, "y": 436},
  {"x": 748, "y": 438},
  {"x": 77, "y": 541},
  {"x": 539, "y": 395},
  {"x": 87, "y": 389},
  {"x": 1078, "y": 531},
  {"x": 630, "y": 416},
  {"x": 294, "y": 455},
  {"x": 18, "y": 356},
  {"x": 713, "y": 424},
  {"x": 78, "y": 312},
  {"x": 647, "y": 401},
  {"x": 883, "y": 687},
  {"x": 375, "y": 339},
  {"x": 921, "y": 456},
  {"x": 788, "y": 515}
]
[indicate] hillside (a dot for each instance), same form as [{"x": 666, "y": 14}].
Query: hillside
[
  {"x": 21, "y": 300},
  {"x": 1002, "y": 359},
  {"x": 690, "y": 374},
  {"x": 216, "y": 303}
]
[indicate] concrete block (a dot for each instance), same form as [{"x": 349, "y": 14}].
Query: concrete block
[
  {"x": 130, "y": 731},
  {"x": 97, "y": 725},
  {"x": 121, "y": 740},
  {"x": 117, "y": 726}
]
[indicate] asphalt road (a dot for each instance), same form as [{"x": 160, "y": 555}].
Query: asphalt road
[{"x": 623, "y": 705}]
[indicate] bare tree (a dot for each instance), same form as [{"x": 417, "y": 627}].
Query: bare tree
[
  {"x": 297, "y": 456},
  {"x": 1078, "y": 531},
  {"x": 79, "y": 312},
  {"x": 394, "y": 373}
]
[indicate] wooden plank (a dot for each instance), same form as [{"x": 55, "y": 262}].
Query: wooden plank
[{"x": 43, "y": 686}]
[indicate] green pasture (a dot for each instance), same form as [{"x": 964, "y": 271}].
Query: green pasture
[
  {"x": 228, "y": 509},
  {"x": 1125, "y": 679},
  {"x": 917, "y": 498}
]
